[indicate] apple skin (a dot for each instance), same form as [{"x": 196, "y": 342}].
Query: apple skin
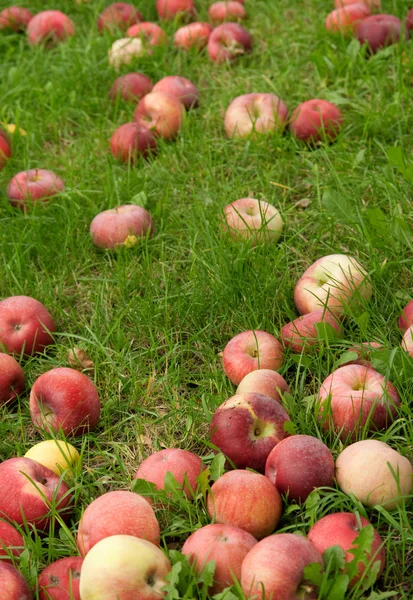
[
  {"x": 5, "y": 148},
  {"x": 50, "y": 26},
  {"x": 15, "y": 18},
  {"x": 194, "y": 35},
  {"x": 11, "y": 379},
  {"x": 406, "y": 318},
  {"x": 130, "y": 87},
  {"x": 407, "y": 341},
  {"x": 134, "y": 568},
  {"x": 60, "y": 580},
  {"x": 33, "y": 185},
  {"x": 301, "y": 334},
  {"x": 118, "y": 16},
  {"x": 252, "y": 114},
  {"x": 11, "y": 542},
  {"x": 249, "y": 351},
  {"x": 363, "y": 351},
  {"x": 227, "y": 41},
  {"x": 315, "y": 120},
  {"x": 169, "y": 9},
  {"x": 63, "y": 399},
  {"x": 260, "y": 509},
  {"x": 409, "y": 20},
  {"x": 353, "y": 396},
  {"x": 379, "y": 31},
  {"x": 345, "y": 19},
  {"x": 131, "y": 140},
  {"x": 254, "y": 220},
  {"x": 365, "y": 469},
  {"x": 264, "y": 381},
  {"x": 227, "y": 546},
  {"x": 341, "y": 529},
  {"x": 117, "y": 513},
  {"x": 150, "y": 33},
  {"x": 32, "y": 499},
  {"x": 370, "y": 3},
  {"x": 246, "y": 428},
  {"x": 333, "y": 281},
  {"x": 12, "y": 584},
  {"x": 274, "y": 568},
  {"x": 180, "y": 88},
  {"x": 125, "y": 51},
  {"x": 162, "y": 113},
  {"x": 56, "y": 455},
  {"x": 121, "y": 226},
  {"x": 298, "y": 465},
  {"x": 219, "y": 12},
  {"x": 24, "y": 325}
]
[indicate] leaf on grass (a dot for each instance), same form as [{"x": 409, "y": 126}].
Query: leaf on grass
[
  {"x": 172, "y": 579},
  {"x": 402, "y": 231},
  {"x": 338, "y": 588},
  {"x": 143, "y": 487},
  {"x": 290, "y": 427},
  {"x": 339, "y": 208},
  {"x": 140, "y": 199},
  {"x": 217, "y": 466},
  {"x": 348, "y": 356},
  {"x": 203, "y": 481},
  {"x": 362, "y": 322}
]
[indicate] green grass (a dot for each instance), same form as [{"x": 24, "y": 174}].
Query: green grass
[{"x": 154, "y": 318}]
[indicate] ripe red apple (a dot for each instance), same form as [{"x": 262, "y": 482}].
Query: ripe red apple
[
  {"x": 13, "y": 585},
  {"x": 301, "y": 334},
  {"x": 162, "y": 113},
  {"x": 118, "y": 16},
  {"x": 369, "y": 3},
  {"x": 15, "y": 18},
  {"x": 252, "y": 219},
  {"x": 264, "y": 381},
  {"x": 36, "y": 493},
  {"x": 11, "y": 542},
  {"x": 130, "y": 87},
  {"x": 60, "y": 580},
  {"x": 406, "y": 318},
  {"x": 298, "y": 465},
  {"x": 132, "y": 140},
  {"x": 336, "y": 281},
  {"x": 274, "y": 568},
  {"x": 117, "y": 513},
  {"x": 249, "y": 351},
  {"x": 354, "y": 399},
  {"x": 246, "y": 500},
  {"x": 150, "y": 33},
  {"x": 252, "y": 114},
  {"x": 121, "y": 226},
  {"x": 32, "y": 185},
  {"x": 25, "y": 325},
  {"x": 63, "y": 399},
  {"x": 407, "y": 341},
  {"x": 228, "y": 41},
  {"x": 11, "y": 378},
  {"x": 363, "y": 352},
  {"x": 226, "y": 11},
  {"x": 247, "y": 427},
  {"x": 409, "y": 20},
  {"x": 169, "y": 9},
  {"x": 227, "y": 546},
  {"x": 51, "y": 27},
  {"x": 346, "y": 18},
  {"x": 341, "y": 529},
  {"x": 194, "y": 35},
  {"x": 316, "y": 120},
  {"x": 375, "y": 474},
  {"x": 180, "y": 88},
  {"x": 378, "y": 31},
  {"x": 5, "y": 148}
]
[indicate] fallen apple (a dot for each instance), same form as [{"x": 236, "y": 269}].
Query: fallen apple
[
  {"x": 344, "y": 19},
  {"x": 254, "y": 220},
  {"x": 57, "y": 455},
  {"x": 194, "y": 35},
  {"x": 12, "y": 583},
  {"x": 11, "y": 542},
  {"x": 130, "y": 87},
  {"x": 162, "y": 113},
  {"x": 264, "y": 381},
  {"x": 11, "y": 379},
  {"x": 379, "y": 31},
  {"x": 5, "y": 147},
  {"x": 407, "y": 341},
  {"x": 180, "y": 88},
  {"x": 121, "y": 226},
  {"x": 228, "y": 41},
  {"x": 33, "y": 185},
  {"x": 406, "y": 318},
  {"x": 316, "y": 120},
  {"x": 49, "y": 27},
  {"x": 60, "y": 580},
  {"x": 302, "y": 335},
  {"x": 25, "y": 325},
  {"x": 131, "y": 140},
  {"x": 252, "y": 114},
  {"x": 150, "y": 33},
  {"x": 219, "y": 12},
  {"x": 118, "y": 17},
  {"x": 125, "y": 51},
  {"x": 15, "y": 18},
  {"x": 169, "y": 9}
]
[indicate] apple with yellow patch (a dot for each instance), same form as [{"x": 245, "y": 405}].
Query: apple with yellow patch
[{"x": 57, "y": 455}]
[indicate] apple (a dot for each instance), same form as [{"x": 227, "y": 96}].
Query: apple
[
  {"x": 60, "y": 580},
  {"x": 369, "y": 3},
  {"x": 117, "y": 513},
  {"x": 125, "y": 51},
  {"x": 254, "y": 220},
  {"x": 15, "y": 18},
  {"x": 11, "y": 542},
  {"x": 274, "y": 568},
  {"x": 12, "y": 584},
  {"x": 409, "y": 20},
  {"x": 246, "y": 428},
  {"x": 121, "y": 226},
  {"x": 179, "y": 87},
  {"x": 341, "y": 529},
  {"x": 185, "y": 467},
  {"x": 246, "y": 500},
  {"x": 406, "y": 318},
  {"x": 316, "y": 120},
  {"x": 162, "y": 113},
  {"x": 355, "y": 399},
  {"x": 5, "y": 147},
  {"x": 194, "y": 35},
  {"x": 118, "y": 16},
  {"x": 169, "y": 9},
  {"x": 298, "y": 465},
  {"x": 336, "y": 281},
  {"x": 226, "y": 11},
  {"x": 345, "y": 18},
  {"x": 150, "y": 33},
  {"x": 363, "y": 352},
  {"x": 378, "y": 31},
  {"x": 375, "y": 474},
  {"x": 130, "y": 87},
  {"x": 264, "y": 381},
  {"x": 252, "y": 114},
  {"x": 57, "y": 455},
  {"x": 133, "y": 568},
  {"x": 228, "y": 41},
  {"x": 301, "y": 335},
  {"x": 50, "y": 27},
  {"x": 36, "y": 493},
  {"x": 226, "y": 545},
  {"x": 11, "y": 378},
  {"x": 25, "y": 325},
  {"x": 33, "y": 185},
  {"x": 132, "y": 140},
  {"x": 407, "y": 341},
  {"x": 249, "y": 351},
  {"x": 63, "y": 399}
]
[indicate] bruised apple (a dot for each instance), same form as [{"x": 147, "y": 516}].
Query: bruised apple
[
  {"x": 121, "y": 226},
  {"x": 228, "y": 41}
]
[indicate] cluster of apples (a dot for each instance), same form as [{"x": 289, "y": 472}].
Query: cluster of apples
[{"x": 47, "y": 27}]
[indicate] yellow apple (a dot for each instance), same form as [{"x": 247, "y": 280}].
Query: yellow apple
[{"x": 57, "y": 455}]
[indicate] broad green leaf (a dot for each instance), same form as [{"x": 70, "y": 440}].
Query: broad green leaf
[{"x": 217, "y": 466}]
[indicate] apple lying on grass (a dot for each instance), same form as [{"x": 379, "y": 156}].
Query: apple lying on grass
[
  {"x": 118, "y": 17},
  {"x": 25, "y": 325},
  {"x": 169, "y": 9},
  {"x": 228, "y": 41},
  {"x": 316, "y": 120},
  {"x": 162, "y": 113},
  {"x": 407, "y": 341},
  {"x": 306, "y": 332},
  {"x": 11, "y": 542},
  {"x": 130, "y": 87},
  {"x": 409, "y": 20},
  {"x": 406, "y": 318},
  {"x": 369, "y": 3},
  {"x": 5, "y": 147},
  {"x": 194, "y": 35},
  {"x": 379, "y": 31},
  {"x": 33, "y": 185},
  {"x": 57, "y": 455},
  {"x": 11, "y": 378},
  {"x": 219, "y": 12},
  {"x": 252, "y": 114},
  {"x": 15, "y": 18},
  {"x": 150, "y": 33},
  {"x": 344, "y": 19},
  {"x": 131, "y": 140},
  {"x": 12, "y": 583},
  {"x": 121, "y": 226},
  {"x": 125, "y": 51},
  {"x": 50, "y": 27},
  {"x": 264, "y": 381},
  {"x": 180, "y": 88},
  {"x": 363, "y": 352},
  {"x": 60, "y": 580},
  {"x": 252, "y": 219}
]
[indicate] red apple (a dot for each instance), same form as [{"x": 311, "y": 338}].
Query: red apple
[
  {"x": 301, "y": 334},
  {"x": 60, "y": 580},
  {"x": 117, "y": 513},
  {"x": 406, "y": 318},
  {"x": 13, "y": 585},
  {"x": 11, "y": 378},
  {"x": 179, "y": 87},
  {"x": 228, "y": 41},
  {"x": 51, "y": 27},
  {"x": 255, "y": 114},
  {"x": 274, "y": 568},
  {"x": 194, "y": 35},
  {"x": 226, "y": 11},
  {"x": 363, "y": 352},
  {"x": 11, "y": 542},
  {"x": 118, "y": 16},
  {"x": 63, "y": 399},
  {"x": 378, "y": 31},
  {"x": 121, "y": 226},
  {"x": 249, "y": 351},
  {"x": 162, "y": 113},
  {"x": 247, "y": 427},
  {"x": 36, "y": 493},
  {"x": 369, "y": 3},
  {"x": 246, "y": 500},
  {"x": 25, "y": 325},
  {"x": 15, "y": 18},
  {"x": 33, "y": 185},
  {"x": 252, "y": 219},
  {"x": 354, "y": 399},
  {"x": 316, "y": 120},
  {"x": 150, "y": 33},
  {"x": 409, "y": 20},
  {"x": 132, "y": 140},
  {"x": 407, "y": 341},
  {"x": 264, "y": 381},
  {"x": 169, "y": 9},
  {"x": 227, "y": 546},
  {"x": 341, "y": 529},
  {"x": 5, "y": 148},
  {"x": 298, "y": 465},
  {"x": 130, "y": 87},
  {"x": 345, "y": 19}
]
